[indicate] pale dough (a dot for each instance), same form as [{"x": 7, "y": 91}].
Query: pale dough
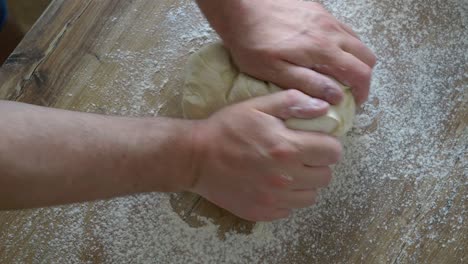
[{"x": 212, "y": 81}]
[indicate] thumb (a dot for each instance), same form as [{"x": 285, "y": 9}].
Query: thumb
[{"x": 289, "y": 103}]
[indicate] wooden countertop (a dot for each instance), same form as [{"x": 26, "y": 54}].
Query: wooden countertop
[{"x": 399, "y": 197}]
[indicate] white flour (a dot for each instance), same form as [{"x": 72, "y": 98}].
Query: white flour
[{"x": 400, "y": 161}]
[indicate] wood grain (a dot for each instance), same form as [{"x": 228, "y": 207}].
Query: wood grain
[{"x": 63, "y": 62}]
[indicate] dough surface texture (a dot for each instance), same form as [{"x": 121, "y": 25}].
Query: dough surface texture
[{"x": 212, "y": 81}]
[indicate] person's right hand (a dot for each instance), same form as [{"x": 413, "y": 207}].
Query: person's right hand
[
  {"x": 293, "y": 44},
  {"x": 248, "y": 162}
]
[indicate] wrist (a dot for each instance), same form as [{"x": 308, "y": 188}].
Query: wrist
[
  {"x": 162, "y": 156},
  {"x": 189, "y": 140},
  {"x": 198, "y": 136}
]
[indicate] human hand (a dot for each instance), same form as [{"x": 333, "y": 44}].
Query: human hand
[
  {"x": 294, "y": 44},
  {"x": 248, "y": 162}
]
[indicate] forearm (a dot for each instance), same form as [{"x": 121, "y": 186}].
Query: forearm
[
  {"x": 50, "y": 156},
  {"x": 223, "y": 14}
]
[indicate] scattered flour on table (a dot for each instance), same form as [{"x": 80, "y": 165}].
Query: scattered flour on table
[{"x": 395, "y": 156}]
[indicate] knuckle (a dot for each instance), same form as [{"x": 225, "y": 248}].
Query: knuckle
[
  {"x": 329, "y": 54},
  {"x": 322, "y": 44},
  {"x": 365, "y": 74},
  {"x": 278, "y": 182},
  {"x": 326, "y": 176},
  {"x": 335, "y": 151},
  {"x": 292, "y": 96},
  {"x": 325, "y": 50},
  {"x": 283, "y": 152},
  {"x": 335, "y": 155},
  {"x": 328, "y": 24}
]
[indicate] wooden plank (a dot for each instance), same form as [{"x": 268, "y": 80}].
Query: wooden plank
[{"x": 121, "y": 57}]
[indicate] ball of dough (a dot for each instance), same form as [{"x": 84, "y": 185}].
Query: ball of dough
[{"x": 212, "y": 81}]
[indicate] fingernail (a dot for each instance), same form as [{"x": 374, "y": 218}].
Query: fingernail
[
  {"x": 309, "y": 105},
  {"x": 315, "y": 104},
  {"x": 286, "y": 178},
  {"x": 333, "y": 93}
]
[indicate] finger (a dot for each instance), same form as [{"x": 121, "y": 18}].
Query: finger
[
  {"x": 288, "y": 104},
  {"x": 349, "y": 30},
  {"x": 316, "y": 149},
  {"x": 352, "y": 72},
  {"x": 360, "y": 51},
  {"x": 298, "y": 199},
  {"x": 308, "y": 81},
  {"x": 310, "y": 178}
]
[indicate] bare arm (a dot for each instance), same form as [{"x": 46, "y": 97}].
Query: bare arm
[
  {"x": 242, "y": 158},
  {"x": 50, "y": 156}
]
